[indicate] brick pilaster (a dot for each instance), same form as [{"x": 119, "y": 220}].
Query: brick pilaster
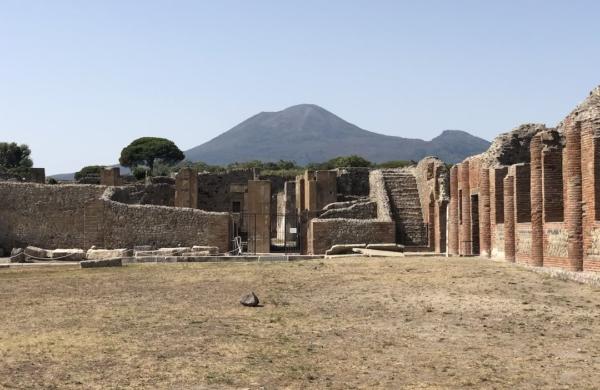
[
  {"x": 466, "y": 244},
  {"x": 453, "y": 212},
  {"x": 573, "y": 214},
  {"x": 485, "y": 238},
  {"x": 509, "y": 218},
  {"x": 537, "y": 205}
]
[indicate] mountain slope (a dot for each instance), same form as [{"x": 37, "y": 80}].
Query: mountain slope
[{"x": 308, "y": 133}]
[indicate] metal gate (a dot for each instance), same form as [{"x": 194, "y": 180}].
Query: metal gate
[{"x": 267, "y": 233}]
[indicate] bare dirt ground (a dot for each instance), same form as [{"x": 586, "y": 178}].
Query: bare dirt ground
[{"x": 424, "y": 323}]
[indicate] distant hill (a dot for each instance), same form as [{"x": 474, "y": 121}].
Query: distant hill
[{"x": 308, "y": 133}]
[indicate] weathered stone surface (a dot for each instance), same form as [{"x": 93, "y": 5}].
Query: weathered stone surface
[
  {"x": 387, "y": 247},
  {"x": 340, "y": 249},
  {"x": 17, "y": 255},
  {"x": 67, "y": 254},
  {"x": 163, "y": 252},
  {"x": 250, "y": 300},
  {"x": 139, "y": 248},
  {"x": 213, "y": 250},
  {"x": 102, "y": 254},
  {"x": 36, "y": 253},
  {"x": 101, "y": 263}
]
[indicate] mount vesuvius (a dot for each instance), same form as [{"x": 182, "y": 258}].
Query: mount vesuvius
[{"x": 308, "y": 133}]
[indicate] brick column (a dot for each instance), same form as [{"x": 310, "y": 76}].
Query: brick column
[
  {"x": 509, "y": 218},
  {"x": 465, "y": 229},
  {"x": 537, "y": 203},
  {"x": 573, "y": 215},
  {"x": 453, "y": 212},
  {"x": 485, "y": 237}
]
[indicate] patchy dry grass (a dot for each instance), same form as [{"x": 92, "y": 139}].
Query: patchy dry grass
[{"x": 344, "y": 323}]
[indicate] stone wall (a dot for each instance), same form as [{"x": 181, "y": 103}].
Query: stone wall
[
  {"x": 323, "y": 233},
  {"x": 59, "y": 216},
  {"x": 161, "y": 194},
  {"x": 218, "y": 191},
  {"x": 357, "y": 210},
  {"x": 352, "y": 182}
]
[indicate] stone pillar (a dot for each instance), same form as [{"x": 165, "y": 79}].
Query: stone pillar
[
  {"x": 110, "y": 176},
  {"x": 466, "y": 244},
  {"x": 326, "y": 188},
  {"x": 38, "y": 175},
  {"x": 259, "y": 216},
  {"x": 310, "y": 195},
  {"x": 453, "y": 213},
  {"x": 509, "y": 218},
  {"x": 485, "y": 237},
  {"x": 186, "y": 188},
  {"x": 537, "y": 203},
  {"x": 573, "y": 215}
]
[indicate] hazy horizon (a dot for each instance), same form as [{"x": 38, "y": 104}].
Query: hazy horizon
[{"x": 82, "y": 80}]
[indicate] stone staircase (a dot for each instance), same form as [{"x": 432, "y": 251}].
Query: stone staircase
[{"x": 401, "y": 187}]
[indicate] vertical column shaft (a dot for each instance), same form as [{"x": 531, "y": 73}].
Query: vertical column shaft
[
  {"x": 573, "y": 215},
  {"x": 485, "y": 238},
  {"x": 453, "y": 212},
  {"x": 537, "y": 203},
  {"x": 466, "y": 243},
  {"x": 509, "y": 218}
]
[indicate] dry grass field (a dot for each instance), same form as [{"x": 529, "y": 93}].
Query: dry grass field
[{"x": 423, "y": 323}]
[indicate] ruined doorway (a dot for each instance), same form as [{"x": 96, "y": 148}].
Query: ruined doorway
[
  {"x": 267, "y": 233},
  {"x": 475, "y": 224}
]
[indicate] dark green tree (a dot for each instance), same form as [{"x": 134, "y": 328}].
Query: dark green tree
[
  {"x": 90, "y": 170},
  {"x": 13, "y": 156},
  {"x": 146, "y": 150}
]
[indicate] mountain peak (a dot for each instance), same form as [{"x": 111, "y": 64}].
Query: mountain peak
[{"x": 309, "y": 133}]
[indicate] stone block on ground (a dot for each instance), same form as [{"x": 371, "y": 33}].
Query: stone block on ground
[
  {"x": 172, "y": 251},
  {"x": 387, "y": 247},
  {"x": 101, "y": 263},
  {"x": 342, "y": 249},
  {"x": 213, "y": 250},
  {"x": 103, "y": 254},
  {"x": 142, "y": 248},
  {"x": 67, "y": 254},
  {"x": 36, "y": 253},
  {"x": 17, "y": 255}
]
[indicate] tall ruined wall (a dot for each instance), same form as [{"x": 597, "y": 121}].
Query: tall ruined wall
[
  {"x": 49, "y": 216},
  {"x": 217, "y": 191},
  {"x": 433, "y": 180},
  {"x": 54, "y": 216},
  {"x": 353, "y": 182}
]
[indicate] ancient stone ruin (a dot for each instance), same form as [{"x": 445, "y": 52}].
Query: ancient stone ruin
[{"x": 531, "y": 198}]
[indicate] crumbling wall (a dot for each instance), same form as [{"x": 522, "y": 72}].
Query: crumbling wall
[
  {"x": 47, "y": 216},
  {"x": 323, "y": 233},
  {"x": 352, "y": 182},
  {"x": 160, "y": 226},
  {"x": 218, "y": 191},
  {"x": 161, "y": 194},
  {"x": 59, "y": 216},
  {"x": 356, "y": 210}
]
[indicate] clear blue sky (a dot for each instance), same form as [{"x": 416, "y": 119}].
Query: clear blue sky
[{"x": 81, "y": 79}]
